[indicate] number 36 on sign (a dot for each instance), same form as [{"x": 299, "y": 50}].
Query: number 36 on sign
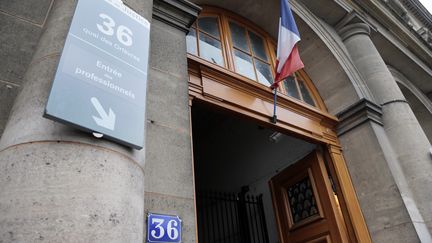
[{"x": 163, "y": 228}]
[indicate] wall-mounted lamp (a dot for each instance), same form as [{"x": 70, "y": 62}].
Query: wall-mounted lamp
[{"x": 275, "y": 137}]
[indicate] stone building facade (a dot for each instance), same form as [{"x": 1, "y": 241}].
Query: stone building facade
[{"x": 369, "y": 66}]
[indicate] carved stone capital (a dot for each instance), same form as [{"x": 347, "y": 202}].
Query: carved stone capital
[
  {"x": 354, "y": 29},
  {"x": 357, "y": 114},
  {"x": 180, "y": 14}
]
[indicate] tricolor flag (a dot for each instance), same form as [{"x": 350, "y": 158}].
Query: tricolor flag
[{"x": 288, "y": 58}]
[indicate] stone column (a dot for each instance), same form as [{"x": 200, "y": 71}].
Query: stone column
[
  {"x": 407, "y": 139},
  {"x": 58, "y": 184}
]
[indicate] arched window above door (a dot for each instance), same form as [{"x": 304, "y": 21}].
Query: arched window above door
[{"x": 226, "y": 40}]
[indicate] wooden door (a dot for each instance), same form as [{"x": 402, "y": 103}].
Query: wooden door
[{"x": 304, "y": 203}]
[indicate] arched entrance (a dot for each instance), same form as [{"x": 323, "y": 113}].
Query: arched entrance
[
  {"x": 226, "y": 77},
  {"x": 254, "y": 183}
]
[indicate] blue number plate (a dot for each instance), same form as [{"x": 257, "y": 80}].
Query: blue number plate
[{"x": 163, "y": 228}]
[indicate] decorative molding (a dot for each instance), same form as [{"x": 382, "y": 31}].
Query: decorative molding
[
  {"x": 419, "y": 11},
  {"x": 180, "y": 14},
  {"x": 394, "y": 101},
  {"x": 360, "y": 112},
  {"x": 403, "y": 9},
  {"x": 389, "y": 23},
  {"x": 354, "y": 29},
  {"x": 354, "y": 17}
]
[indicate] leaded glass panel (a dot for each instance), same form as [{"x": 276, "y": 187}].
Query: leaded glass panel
[{"x": 302, "y": 200}]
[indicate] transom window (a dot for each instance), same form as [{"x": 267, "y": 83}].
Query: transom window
[
  {"x": 209, "y": 46},
  {"x": 223, "y": 39}
]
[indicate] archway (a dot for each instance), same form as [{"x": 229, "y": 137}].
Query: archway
[{"x": 216, "y": 83}]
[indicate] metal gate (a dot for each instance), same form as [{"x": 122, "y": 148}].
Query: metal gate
[{"x": 231, "y": 217}]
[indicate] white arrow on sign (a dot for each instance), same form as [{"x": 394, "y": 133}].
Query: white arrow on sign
[{"x": 105, "y": 120}]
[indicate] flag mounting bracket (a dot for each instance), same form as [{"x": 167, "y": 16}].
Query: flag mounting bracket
[{"x": 273, "y": 119}]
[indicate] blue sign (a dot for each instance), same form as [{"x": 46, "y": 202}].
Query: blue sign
[
  {"x": 101, "y": 80},
  {"x": 163, "y": 228}
]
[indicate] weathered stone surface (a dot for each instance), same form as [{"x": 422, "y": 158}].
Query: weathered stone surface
[
  {"x": 423, "y": 115},
  {"x": 171, "y": 205},
  {"x": 69, "y": 192},
  {"x": 8, "y": 92},
  {"x": 168, "y": 167},
  {"x": 60, "y": 184},
  {"x": 168, "y": 100},
  {"x": 405, "y": 135},
  {"x": 18, "y": 40},
  {"x": 398, "y": 234},
  {"x": 370, "y": 64},
  {"x": 325, "y": 71},
  {"x": 55, "y": 31},
  {"x": 379, "y": 197},
  {"x": 168, "y": 50},
  {"x": 169, "y": 157},
  {"x": 34, "y": 11}
]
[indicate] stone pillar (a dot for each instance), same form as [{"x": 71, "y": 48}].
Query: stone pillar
[
  {"x": 407, "y": 139},
  {"x": 169, "y": 167},
  {"x": 366, "y": 153},
  {"x": 58, "y": 184}
]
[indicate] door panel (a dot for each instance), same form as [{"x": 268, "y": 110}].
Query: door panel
[{"x": 304, "y": 203}]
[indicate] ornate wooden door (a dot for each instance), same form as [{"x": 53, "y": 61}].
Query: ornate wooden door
[{"x": 305, "y": 206}]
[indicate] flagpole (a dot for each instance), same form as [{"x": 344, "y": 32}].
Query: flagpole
[
  {"x": 274, "y": 117},
  {"x": 287, "y": 57}
]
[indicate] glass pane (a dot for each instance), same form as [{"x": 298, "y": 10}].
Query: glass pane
[
  {"x": 258, "y": 46},
  {"x": 209, "y": 25},
  {"x": 291, "y": 87},
  {"x": 302, "y": 200},
  {"x": 210, "y": 49},
  {"x": 264, "y": 72},
  {"x": 305, "y": 93},
  {"x": 191, "y": 42},
  {"x": 238, "y": 35},
  {"x": 243, "y": 64}
]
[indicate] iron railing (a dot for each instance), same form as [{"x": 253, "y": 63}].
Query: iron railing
[{"x": 231, "y": 217}]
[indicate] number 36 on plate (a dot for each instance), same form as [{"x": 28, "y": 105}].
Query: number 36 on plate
[{"x": 163, "y": 228}]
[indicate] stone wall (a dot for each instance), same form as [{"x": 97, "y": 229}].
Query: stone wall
[{"x": 21, "y": 27}]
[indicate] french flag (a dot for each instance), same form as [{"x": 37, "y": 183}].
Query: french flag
[{"x": 288, "y": 58}]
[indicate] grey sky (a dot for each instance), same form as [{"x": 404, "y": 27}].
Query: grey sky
[{"x": 427, "y": 4}]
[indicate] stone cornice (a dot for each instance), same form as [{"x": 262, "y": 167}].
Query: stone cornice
[
  {"x": 419, "y": 11},
  {"x": 386, "y": 17},
  {"x": 357, "y": 114},
  {"x": 178, "y": 13}
]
